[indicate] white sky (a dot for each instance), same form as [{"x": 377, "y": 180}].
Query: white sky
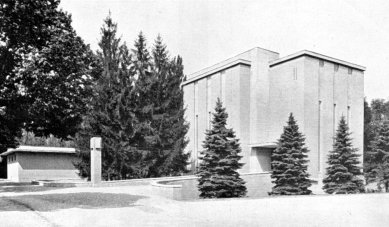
[{"x": 206, "y": 32}]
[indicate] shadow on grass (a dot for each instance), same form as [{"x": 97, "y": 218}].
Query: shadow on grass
[
  {"x": 8, "y": 183},
  {"x": 51, "y": 202},
  {"x": 23, "y": 187}
]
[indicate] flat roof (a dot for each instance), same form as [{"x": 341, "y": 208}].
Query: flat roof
[
  {"x": 36, "y": 149},
  {"x": 315, "y": 55}
]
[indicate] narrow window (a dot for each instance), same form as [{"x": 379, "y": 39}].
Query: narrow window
[
  {"x": 197, "y": 142},
  {"x": 209, "y": 100},
  {"x": 222, "y": 73},
  {"x": 334, "y": 123},
  {"x": 209, "y": 119},
  {"x": 350, "y": 71},
  {"x": 336, "y": 67},
  {"x": 321, "y": 63},
  {"x": 195, "y": 100},
  {"x": 318, "y": 139},
  {"x": 348, "y": 115},
  {"x": 294, "y": 73}
]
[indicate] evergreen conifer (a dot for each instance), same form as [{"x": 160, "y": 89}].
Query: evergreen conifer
[
  {"x": 159, "y": 110},
  {"x": 218, "y": 176},
  {"x": 167, "y": 120},
  {"x": 143, "y": 108},
  {"x": 289, "y": 162},
  {"x": 343, "y": 175},
  {"x": 137, "y": 109},
  {"x": 379, "y": 156},
  {"x": 111, "y": 115}
]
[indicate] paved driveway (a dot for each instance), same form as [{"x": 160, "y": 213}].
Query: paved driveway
[{"x": 134, "y": 206}]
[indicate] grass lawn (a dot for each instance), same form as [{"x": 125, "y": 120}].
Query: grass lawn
[{"x": 135, "y": 206}]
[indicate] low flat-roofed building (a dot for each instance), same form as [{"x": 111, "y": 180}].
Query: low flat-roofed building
[
  {"x": 29, "y": 163},
  {"x": 259, "y": 90}
]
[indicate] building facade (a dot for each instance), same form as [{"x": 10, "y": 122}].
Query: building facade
[
  {"x": 259, "y": 90},
  {"x": 29, "y": 163}
]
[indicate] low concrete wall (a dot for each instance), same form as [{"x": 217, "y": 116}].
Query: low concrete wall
[
  {"x": 168, "y": 191},
  {"x": 115, "y": 183},
  {"x": 185, "y": 188}
]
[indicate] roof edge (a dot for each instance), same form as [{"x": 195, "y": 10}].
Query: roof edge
[
  {"x": 37, "y": 149},
  {"x": 217, "y": 68},
  {"x": 315, "y": 55},
  {"x": 264, "y": 145}
]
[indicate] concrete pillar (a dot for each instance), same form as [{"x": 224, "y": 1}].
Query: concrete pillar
[{"x": 95, "y": 159}]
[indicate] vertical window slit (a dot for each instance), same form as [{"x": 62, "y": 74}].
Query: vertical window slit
[
  {"x": 334, "y": 122},
  {"x": 318, "y": 140}
]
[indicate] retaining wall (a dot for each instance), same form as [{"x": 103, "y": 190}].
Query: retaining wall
[{"x": 185, "y": 188}]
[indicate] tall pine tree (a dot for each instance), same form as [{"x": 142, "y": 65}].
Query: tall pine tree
[
  {"x": 343, "y": 174},
  {"x": 289, "y": 162},
  {"x": 168, "y": 121},
  {"x": 176, "y": 161},
  {"x": 159, "y": 110},
  {"x": 111, "y": 115},
  {"x": 378, "y": 157},
  {"x": 218, "y": 176},
  {"x": 143, "y": 108}
]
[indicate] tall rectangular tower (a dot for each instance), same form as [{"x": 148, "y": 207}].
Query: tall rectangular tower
[{"x": 259, "y": 90}]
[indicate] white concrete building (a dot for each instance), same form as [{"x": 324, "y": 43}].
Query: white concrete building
[
  {"x": 28, "y": 163},
  {"x": 259, "y": 90}
]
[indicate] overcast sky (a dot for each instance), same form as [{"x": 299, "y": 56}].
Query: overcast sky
[{"x": 205, "y": 32}]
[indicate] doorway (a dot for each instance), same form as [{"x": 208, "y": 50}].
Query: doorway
[{"x": 260, "y": 159}]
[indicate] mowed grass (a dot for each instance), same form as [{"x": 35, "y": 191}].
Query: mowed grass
[{"x": 85, "y": 200}]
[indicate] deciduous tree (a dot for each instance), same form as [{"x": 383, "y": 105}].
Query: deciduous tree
[{"x": 45, "y": 71}]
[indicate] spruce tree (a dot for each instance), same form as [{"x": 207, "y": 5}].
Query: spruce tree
[
  {"x": 289, "y": 162},
  {"x": 111, "y": 115},
  {"x": 176, "y": 126},
  {"x": 168, "y": 123},
  {"x": 218, "y": 176},
  {"x": 378, "y": 156},
  {"x": 343, "y": 175},
  {"x": 161, "y": 130},
  {"x": 143, "y": 109}
]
